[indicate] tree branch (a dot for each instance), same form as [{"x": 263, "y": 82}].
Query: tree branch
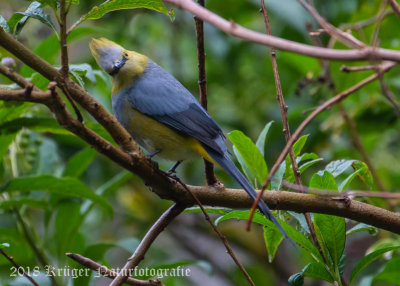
[
  {"x": 147, "y": 241},
  {"x": 229, "y": 249},
  {"x": 286, "y": 131},
  {"x": 19, "y": 268},
  {"x": 201, "y": 59},
  {"x": 167, "y": 188},
  {"x": 395, "y": 6},
  {"x": 236, "y": 30},
  {"x": 339, "y": 97},
  {"x": 345, "y": 38},
  {"x": 104, "y": 271},
  {"x": 81, "y": 96}
]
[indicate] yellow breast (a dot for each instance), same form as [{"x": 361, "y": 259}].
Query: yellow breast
[{"x": 153, "y": 135}]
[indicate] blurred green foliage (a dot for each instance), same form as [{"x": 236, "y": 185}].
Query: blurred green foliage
[{"x": 40, "y": 162}]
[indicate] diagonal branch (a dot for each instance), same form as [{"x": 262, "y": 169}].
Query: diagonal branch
[
  {"x": 19, "y": 268},
  {"x": 339, "y": 97},
  {"x": 345, "y": 38},
  {"x": 236, "y": 30},
  {"x": 146, "y": 242},
  {"x": 286, "y": 130},
  {"x": 105, "y": 272}
]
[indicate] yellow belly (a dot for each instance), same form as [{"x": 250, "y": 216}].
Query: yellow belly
[{"x": 153, "y": 135}]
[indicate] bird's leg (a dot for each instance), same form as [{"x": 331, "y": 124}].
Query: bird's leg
[
  {"x": 172, "y": 170},
  {"x": 152, "y": 154}
]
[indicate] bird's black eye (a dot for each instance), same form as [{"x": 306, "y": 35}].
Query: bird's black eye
[{"x": 125, "y": 54}]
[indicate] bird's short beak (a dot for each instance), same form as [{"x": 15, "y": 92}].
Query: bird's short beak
[{"x": 105, "y": 52}]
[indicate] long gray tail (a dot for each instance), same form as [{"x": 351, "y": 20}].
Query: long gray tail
[{"x": 226, "y": 163}]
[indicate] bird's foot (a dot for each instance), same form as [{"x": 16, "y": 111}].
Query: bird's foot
[
  {"x": 172, "y": 170},
  {"x": 173, "y": 176},
  {"x": 152, "y": 154},
  {"x": 218, "y": 185}
]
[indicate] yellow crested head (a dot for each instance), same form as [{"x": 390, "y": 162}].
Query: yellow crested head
[{"x": 123, "y": 65}]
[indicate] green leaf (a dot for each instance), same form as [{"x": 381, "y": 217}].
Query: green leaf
[
  {"x": 67, "y": 218},
  {"x": 85, "y": 70},
  {"x": 97, "y": 251},
  {"x": 318, "y": 271},
  {"x": 297, "y": 147},
  {"x": 361, "y": 227},
  {"x": 78, "y": 79},
  {"x": 24, "y": 201},
  {"x": 108, "y": 6},
  {"x": 250, "y": 154},
  {"x": 249, "y": 175},
  {"x": 338, "y": 167},
  {"x": 114, "y": 183},
  {"x": 78, "y": 164},
  {"x": 294, "y": 234},
  {"x": 276, "y": 181},
  {"x": 366, "y": 260},
  {"x": 5, "y": 142},
  {"x": 64, "y": 186},
  {"x": 342, "y": 263},
  {"x": 365, "y": 174},
  {"x": 296, "y": 279},
  {"x": 34, "y": 124},
  {"x": 260, "y": 143},
  {"x": 390, "y": 272},
  {"x": 273, "y": 238},
  {"x": 4, "y": 24},
  {"x": 324, "y": 181},
  {"x": 13, "y": 21},
  {"x": 34, "y": 11},
  {"x": 308, "y": 164},
  {"x": 4, "y": 245},
  {"x": 333, "y": 231},
  {"x": 39, "y": 81},
  {"x": 210, "y": 210},
  {"x": 343, "y": 186},
  {"x": 299, "y": 144}
]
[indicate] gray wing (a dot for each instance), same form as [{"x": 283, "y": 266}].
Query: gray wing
[{"x": 159, "y": 95}]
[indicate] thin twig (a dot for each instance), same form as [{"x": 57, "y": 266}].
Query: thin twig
[
  {"x": 348, "y": 69},
  {"x": 395, "y": 6},
  {"x": 65, "y": 57},
  {"x": 15, "y": 77},
  {"x": 355, "y": 138},
  {"x": 229, "y": 249},
  {"x": 363, "y": 23},
  {"x": 236, "y": 30},
  {"x": 147, "y": 241},
  {"x": 19, "y": 268},
  {"x": 286, "y": 129},
  {"x": 105, "y": 272},
  {"x": 378, "y": 23},
  {"x": 201, "y": 59},
  {"x": 345, "y": 38},
  {"x": 387, "y": 93},
  {"x": 63, "y": 40},
  {"x": 339, "y": 97},
  {"x": 349, "y": 193}
]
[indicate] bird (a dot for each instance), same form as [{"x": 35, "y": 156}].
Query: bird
[{"x": 163, "y": 116}]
